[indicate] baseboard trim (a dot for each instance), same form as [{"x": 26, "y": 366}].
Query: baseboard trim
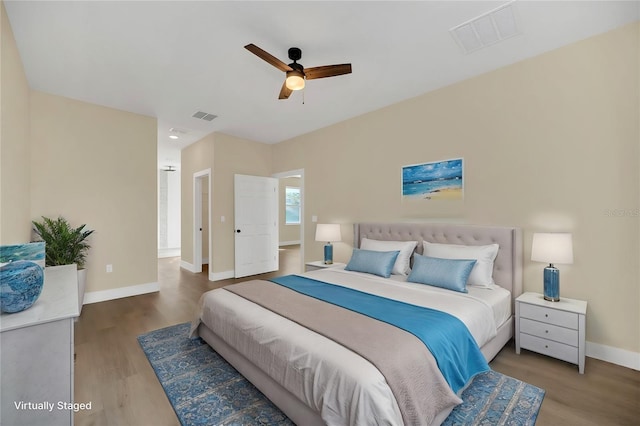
[
  {"x": 168, "y": 252},
  {"x": 188, "y": 266},
  {"x": 289, "y": 243},
  {"x": 217, "y": 276},
  {"x": 119, "y": 293},
  {"x": 613, "y": 355}
]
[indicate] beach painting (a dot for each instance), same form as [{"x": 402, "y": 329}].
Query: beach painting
[{"x": 440, "y": 180}]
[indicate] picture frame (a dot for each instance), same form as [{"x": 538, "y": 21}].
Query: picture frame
[{"x": 437, "y": 180}]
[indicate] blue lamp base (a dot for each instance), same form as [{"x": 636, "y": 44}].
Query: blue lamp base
[
  {"x": 552, "y": 283},
  {"x": 328, "y": 254}
]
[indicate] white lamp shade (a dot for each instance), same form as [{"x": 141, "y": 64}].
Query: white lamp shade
[
  {"x": 328, "y": 232},
  {"x": 295, "y": 80},
  {"x": 552, "y": 248}
]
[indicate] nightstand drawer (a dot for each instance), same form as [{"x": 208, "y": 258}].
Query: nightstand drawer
[
  {"x": 549, "y": 331},
  {"x": 550, "y": 348},
  {"x": 549, "y": 315}
]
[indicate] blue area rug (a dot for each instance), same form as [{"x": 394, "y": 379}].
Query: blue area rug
[{"x": 205, "y": 390}]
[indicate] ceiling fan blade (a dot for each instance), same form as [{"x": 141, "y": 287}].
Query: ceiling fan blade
[
  {"x": 268, "y": 57},
  {"x": 327, "y": 71},
  {"x": 285, "y": 92}
]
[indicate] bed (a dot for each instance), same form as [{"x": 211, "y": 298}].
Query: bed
[{"x": 315, "y": 380}]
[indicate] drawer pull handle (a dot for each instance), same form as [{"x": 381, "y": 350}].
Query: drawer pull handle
[
  {"x": 546, "y": 315},
  {"x": 546, "y": 331},
  {"x": 546, "y": 346}
]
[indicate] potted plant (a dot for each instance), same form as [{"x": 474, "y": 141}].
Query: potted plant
[{"x": 65, "y": 245}]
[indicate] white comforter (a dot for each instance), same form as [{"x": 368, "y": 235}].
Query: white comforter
[{"x": 342, "y": 386}]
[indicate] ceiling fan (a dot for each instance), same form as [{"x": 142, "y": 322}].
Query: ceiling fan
[{"x": 296, "y": 73}]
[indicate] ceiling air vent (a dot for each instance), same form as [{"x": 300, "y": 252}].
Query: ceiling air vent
[
  {"x": 204, "y": 116},
  {"x": 487, "y": 29}
]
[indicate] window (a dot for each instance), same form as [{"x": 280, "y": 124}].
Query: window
[{"x": 292, "y": 205}]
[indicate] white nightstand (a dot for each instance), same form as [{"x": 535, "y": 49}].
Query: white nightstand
[
  {"x": 319, "y": 264},
  {"x": 556, "y": 329}
]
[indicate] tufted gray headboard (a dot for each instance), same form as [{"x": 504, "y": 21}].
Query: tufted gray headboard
[{"x": 507, "y": 268}]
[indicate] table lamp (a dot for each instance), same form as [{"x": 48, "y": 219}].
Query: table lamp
[
  {"x": 328, "y": 232},
  {"x": 552, "y": 248}
]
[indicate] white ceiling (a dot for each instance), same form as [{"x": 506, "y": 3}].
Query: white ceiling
[{"x": 169, "y": 59}]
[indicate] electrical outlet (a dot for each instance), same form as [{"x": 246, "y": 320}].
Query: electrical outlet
[{"x": 109, "y": 268}]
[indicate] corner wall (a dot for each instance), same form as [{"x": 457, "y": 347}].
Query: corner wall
[
  {"x": 15, "y": 207},
  {"x": 97, "y": 166},
  {"x": 194, "y": 158},
  {"x": 226, "y": 156}
]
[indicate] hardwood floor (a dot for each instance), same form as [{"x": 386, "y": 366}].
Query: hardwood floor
[
  {"x": 606, "y": 394},
  {"x": 112, "y": 372}
]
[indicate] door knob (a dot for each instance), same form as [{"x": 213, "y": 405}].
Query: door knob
[{"x": 238, "y": 231}]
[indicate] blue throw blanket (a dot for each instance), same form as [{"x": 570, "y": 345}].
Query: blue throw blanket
[{"x": 447, "y": 338}]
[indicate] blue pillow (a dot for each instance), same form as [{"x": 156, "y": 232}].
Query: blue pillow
[
  {"x": 451, "y": 274},
  {"x": 372, "y": 262}
]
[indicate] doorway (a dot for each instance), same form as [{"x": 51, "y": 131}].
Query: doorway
[
  {"x": 292, "y": 208},
  {"x": 169, "y": 212},
  {"x": 202, "y": 220}
]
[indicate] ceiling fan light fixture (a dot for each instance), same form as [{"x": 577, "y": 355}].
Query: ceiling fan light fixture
[{"x": 295, "y": 80}]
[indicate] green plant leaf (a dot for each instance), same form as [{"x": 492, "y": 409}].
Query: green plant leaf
[{"x": 64, "y": 244}]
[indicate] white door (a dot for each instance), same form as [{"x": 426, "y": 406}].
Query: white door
[{"x": 256, "y": 225}]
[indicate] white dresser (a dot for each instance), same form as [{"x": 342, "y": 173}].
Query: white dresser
[
  {"x": 556, "y": 329},
  {"x": 36, "y": 366}
]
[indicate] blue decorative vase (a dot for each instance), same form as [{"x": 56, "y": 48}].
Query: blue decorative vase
[{"x": 21, "y": 283}]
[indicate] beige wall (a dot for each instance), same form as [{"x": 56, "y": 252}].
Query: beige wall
[
  {"x": 97, "y": 165},
  {"x": 288, "y": 233},
  {"x": 232, "y": 156},
  {"x": 549, "y": 144},
  {"x": 195, "y": 158},
  {"x": 226, "y": 156},
  {"x": 15, "y": 214},
  {"x": 61, "y": 157}
]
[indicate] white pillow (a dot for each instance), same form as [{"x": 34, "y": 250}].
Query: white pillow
[
  {"x": 401, "y": 267},
  {"x": 482, "y": 273}
]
